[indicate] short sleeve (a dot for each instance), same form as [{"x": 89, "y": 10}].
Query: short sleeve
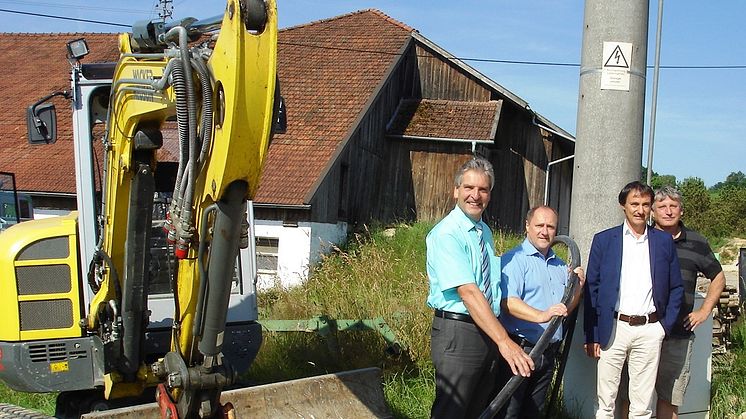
[
  {"x": 710, "y": 266},
  {"x": 449, "y": 261},
  {"x": 513, "y": 278}
]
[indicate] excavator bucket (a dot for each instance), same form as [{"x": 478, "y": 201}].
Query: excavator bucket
[{"x": 348, "y": 394}]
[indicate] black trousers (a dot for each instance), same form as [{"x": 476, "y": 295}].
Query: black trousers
[
  {"x": 530, "y": 397},
  {"x": 465, "y": 361}
]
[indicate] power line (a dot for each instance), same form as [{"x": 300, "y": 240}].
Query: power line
[
  {"x": 75, "y": 6},
  {"x": 467, "y": 59},
  {"x": 98, "y": 22},
  {"x": 492, "y": 60}
]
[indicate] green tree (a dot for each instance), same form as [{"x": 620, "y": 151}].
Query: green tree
[
  {"x": 696, "y": 203},
  {"x": 657, "y": 180},
  {"x": 719, "y": 213},
  {"x": 737, "y": 179},
  {"x": 729, "y": 209}
]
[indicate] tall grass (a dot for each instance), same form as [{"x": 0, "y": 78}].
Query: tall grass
[
  {"x": 381, "y": 273},
  {"x": 728, "y": 395}
]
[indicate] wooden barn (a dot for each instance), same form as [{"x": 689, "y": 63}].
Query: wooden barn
[
  {"x": 415, "y": 113},
  {"x": 379, "y": 118}
]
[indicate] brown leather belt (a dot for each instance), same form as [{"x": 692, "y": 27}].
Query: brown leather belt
[
  {"x": 637, "y": 320},
  {"x": 453, "y": 316}
]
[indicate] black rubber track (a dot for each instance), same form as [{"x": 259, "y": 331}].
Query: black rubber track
[{"x": 8, "y": 411}]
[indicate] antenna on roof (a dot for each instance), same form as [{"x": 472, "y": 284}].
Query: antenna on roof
[{"x": 166, "y": 9}]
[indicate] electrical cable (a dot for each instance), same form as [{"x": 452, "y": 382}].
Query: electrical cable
[
  {"x": 359, "y": 50},
  {"x": 492, "y": 60},
  {"x": 98, "y": 22},
  {"x": 36, "y": 4}
]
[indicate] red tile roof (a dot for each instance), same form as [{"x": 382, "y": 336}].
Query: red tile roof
[
  {"x": 35, "y": 65},
  {"x": 328, "y": 70},
  {"x": 446, "y": 119}
]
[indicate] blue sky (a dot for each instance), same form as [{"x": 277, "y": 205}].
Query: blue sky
[{"x": 701, "y": 115}]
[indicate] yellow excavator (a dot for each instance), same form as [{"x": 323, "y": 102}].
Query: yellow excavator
[{"x": 76, "y": 291}]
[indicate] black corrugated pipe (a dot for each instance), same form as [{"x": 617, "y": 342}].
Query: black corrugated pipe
[{"x": 569, "y": 332}]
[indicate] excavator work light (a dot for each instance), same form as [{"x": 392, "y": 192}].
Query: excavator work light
[{"x": 77, "y": 49}]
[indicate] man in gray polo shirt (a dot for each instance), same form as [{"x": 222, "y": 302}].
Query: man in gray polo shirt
[{"x": 695, "y": 255}]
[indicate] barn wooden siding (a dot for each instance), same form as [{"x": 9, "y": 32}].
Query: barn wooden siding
[
  {"x": 350, "y": 191},
  {"x": 376, "y": 178},
  {"x": 440, "y": 79}
]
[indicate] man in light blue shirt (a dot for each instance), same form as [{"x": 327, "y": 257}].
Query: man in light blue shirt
[
  {"x": 532, "y": 286},
  {"x": 464, "y": 276}
]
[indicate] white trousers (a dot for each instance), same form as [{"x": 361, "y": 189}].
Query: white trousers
[{"x": 640, "y": 346}]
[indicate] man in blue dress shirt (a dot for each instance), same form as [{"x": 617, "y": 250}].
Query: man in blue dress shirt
[
  {"x": 532, "y": 286},
  {"x": 464, "y": 278}
]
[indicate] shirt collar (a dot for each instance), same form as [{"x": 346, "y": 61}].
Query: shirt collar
[
  {"x": 530, "y": 249},
  {"x": 628, "y": 231},
  {"x": 682, "y": 233},
  {"x": 465, "y": 222}
]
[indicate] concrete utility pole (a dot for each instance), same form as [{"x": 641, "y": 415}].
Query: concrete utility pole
[
  {"x": 608, "y": 149},
  {"x": 611, "y": 108}
]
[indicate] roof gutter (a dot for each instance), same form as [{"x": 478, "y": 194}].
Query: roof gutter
[
  {"x": 552, "y": 163},
  {"x": 473, "y": 142},
  {"x": 553, "y": 131},
  {"x": 546, "y": 176},
  {"x": 282, "y": 206},
  {"x": 50, "y": 194}
]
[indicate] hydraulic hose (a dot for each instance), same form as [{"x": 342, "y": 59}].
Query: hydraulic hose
[
  {"x": 182, "y": 122},
  {"x": 205, "y": 134},
  {"x": 188, "y": 193},
  {"x": 502, "y": 397}
]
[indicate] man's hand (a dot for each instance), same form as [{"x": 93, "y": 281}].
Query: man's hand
[
  {"x": 519, "y": 361},
  {"x": 555, "y": 310},
  {"x": 593, "y": 350},
  {"x": 695, "y": 318},
  {"x": 581, "y": 276}
]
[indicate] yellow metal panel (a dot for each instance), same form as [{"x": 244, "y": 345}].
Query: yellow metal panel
[
  {"x": 129, "y": 110},
  {"x": 245, "y": 64},
  {"x": 14, "y": 241}
]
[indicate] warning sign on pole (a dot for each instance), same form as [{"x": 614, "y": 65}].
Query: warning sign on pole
[{"x": 617, "y": 57}]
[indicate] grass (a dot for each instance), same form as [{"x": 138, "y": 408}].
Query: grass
[
  {"x": 43, "y": 402},
  {"x": 381, "y": 273},
  {"x": 728, "y": 394}
]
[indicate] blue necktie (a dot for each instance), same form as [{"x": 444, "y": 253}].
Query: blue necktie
[{"x": 487, "y": 289}]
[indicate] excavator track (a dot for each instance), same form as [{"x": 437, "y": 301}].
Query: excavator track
[{"x": 8, "y": 411}]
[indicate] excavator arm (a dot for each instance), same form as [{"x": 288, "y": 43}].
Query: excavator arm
[{"x": 220, "y": 87}]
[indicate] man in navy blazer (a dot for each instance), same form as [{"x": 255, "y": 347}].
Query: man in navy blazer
[{"x": 633, "y": 293}]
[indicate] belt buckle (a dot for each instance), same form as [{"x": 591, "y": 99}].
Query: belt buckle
[{"x": 637, "y": 320}]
